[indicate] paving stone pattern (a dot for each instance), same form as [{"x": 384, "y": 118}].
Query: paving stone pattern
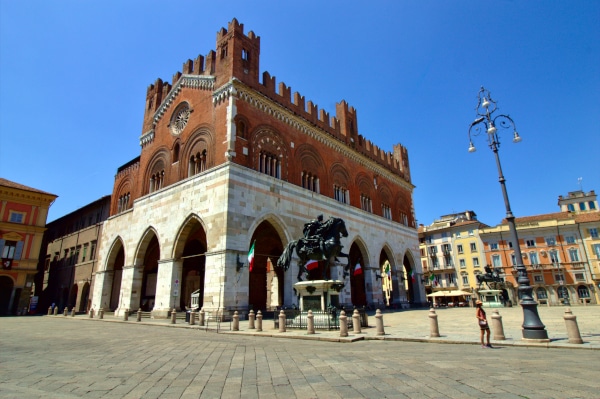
[{"x": 65, "y": 357}]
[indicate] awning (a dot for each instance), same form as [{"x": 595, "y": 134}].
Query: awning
[{"x": 449, "y": 293}]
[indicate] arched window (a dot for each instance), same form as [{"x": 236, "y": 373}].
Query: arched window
[
  {"x": 197, "y": 163},
  {"x": 541, "y": 293},
  {"x": 123, "y": 203},
  {"x": 269, "y": 164},
  {"x": 310, "y": 181},
  {"x": 583, "y": 291},
  {"x": 365, "y": 203},
  {"x": 157, "y": 181},
  {"x": 176, "y": 153},
  {"x": 240, "y": 130}
]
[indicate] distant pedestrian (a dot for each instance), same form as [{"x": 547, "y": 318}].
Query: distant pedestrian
[{"x": 483, "y": 324}]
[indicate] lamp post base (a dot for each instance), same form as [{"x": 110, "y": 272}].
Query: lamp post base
[{"x": 533, "y": 328}]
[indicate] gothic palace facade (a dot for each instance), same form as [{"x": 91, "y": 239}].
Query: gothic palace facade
[{"x": 226, "y": 161}]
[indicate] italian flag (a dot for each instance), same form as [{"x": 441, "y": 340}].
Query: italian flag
[
  {"x": 357, "y": 269},
  {"x": 251, "y": 257},
  {"x": 412, "y": 275},
  {"x": 311, "y": 265},
  {"x": 388, "y": 271}
]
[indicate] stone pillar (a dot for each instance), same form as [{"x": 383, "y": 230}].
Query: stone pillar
[
  {"x": 49, "y": 310},
  {"x": 91, "y": 313},
  {"x": 139, "y": 315},
  {"x": 259, "y": 318},
  {"x": 173, "y": 316},
  {"x": 101, "y": 313},
  {"x": 201, "y": 317},
  {"x": 343, "y": 324},
  {"x": 310, "y": 323},
  {"x": 379, "y": 322},
  {"x": 126, "y": 315},
  {"x": 236, "y": 321},
  {"x": 434, "y": 331},
  {"x": 251, "y": 317},
  {"x": 55, "y": 310},
  {"x": 102, "y": 287},
  {"x": 356, "y": 322},
  {"x": 572, "y": 327},
  {"x": 192, "y": 318},
  {"x": 169, "y": 288},
  {"x": 73, "y": 312},
  {"x": 497, "y": 326},
  {"x": 281, "y": 321}
]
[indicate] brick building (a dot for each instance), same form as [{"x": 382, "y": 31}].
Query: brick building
[
  {"x": 228, "y": 159},
  {"x": 23, "y": 213},
  {"x": 68, "y": 256}
]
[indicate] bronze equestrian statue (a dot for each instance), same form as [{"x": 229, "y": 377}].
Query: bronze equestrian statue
[{"x": 321, "y": 242}]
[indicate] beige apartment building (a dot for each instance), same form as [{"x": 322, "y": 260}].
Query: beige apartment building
[
  {"x": 451, "y": 257},
  {"x": 561, "y": 252}
]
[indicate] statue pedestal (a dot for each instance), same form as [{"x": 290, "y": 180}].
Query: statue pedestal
[
  {"x": 490, "y": 298},
  {"x": 318, "y": 294}
]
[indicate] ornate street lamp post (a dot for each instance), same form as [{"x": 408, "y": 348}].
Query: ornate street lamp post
[{"x": 532, "y": 325}]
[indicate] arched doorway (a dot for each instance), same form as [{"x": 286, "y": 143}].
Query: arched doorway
[
  {"x": 6, "y": 289},
  {"x": 150, "y": 274},
  {"x": 85, "y": 293},
  {"x": 73, "y": 296},
  {"x": 410, "y": 280},
  {"x": 389, "y": 285},
  {"x": 194, "y": 266},
  {"x": 266, "y": 283},
  {"x": 116, "y": 278},
  {"x": 357, "y": 276}
]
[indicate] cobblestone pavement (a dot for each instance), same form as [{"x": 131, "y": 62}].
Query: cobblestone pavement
[{"x": 75, "y": 357}]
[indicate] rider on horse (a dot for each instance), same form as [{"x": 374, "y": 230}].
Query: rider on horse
[{"x": 312, "y": 232}]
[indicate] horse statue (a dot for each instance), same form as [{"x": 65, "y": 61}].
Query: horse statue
[
  {"x": 324, "y": 244},
  {"x": 490, "y": 276}
]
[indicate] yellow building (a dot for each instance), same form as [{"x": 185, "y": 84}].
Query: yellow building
[
  {"x": 452, "y": 256},
  {"x": 23, "y": 213}
]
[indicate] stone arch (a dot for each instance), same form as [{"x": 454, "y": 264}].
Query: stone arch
[
  {"x": 390, "y": 287},
  {"x": 359, "y": 264},
  {"x": 190, "y": 246},
  {"x": 266, "y": 283},
  {"x": 412, "y": 279},
  {"x": 115, "y": 261},
  {"x": 84, "y": 300},
  {"x": 146, "y": 258}
]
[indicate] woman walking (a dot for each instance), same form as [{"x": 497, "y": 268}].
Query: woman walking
[{"x": 483, "y": 324}]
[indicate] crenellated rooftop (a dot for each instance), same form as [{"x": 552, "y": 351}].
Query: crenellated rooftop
[{"x": 343, "y": 126}]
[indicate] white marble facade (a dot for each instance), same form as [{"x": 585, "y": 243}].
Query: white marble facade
[{"x": 229, "y": 202}]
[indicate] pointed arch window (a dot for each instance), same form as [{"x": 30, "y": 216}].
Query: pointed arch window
[
  {"x": 157, "y": 181},
  {"x": 123, "y": 203},
  {"x": 365, "y": 203},
  {"x": 341, "y": 194},
  {"x": 310, "y": 181},
  {"x": 197, "y": 163},
  {"x": 269, "y": 164}
]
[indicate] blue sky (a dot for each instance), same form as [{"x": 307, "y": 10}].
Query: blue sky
[{"x": 73, "y": 79}]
